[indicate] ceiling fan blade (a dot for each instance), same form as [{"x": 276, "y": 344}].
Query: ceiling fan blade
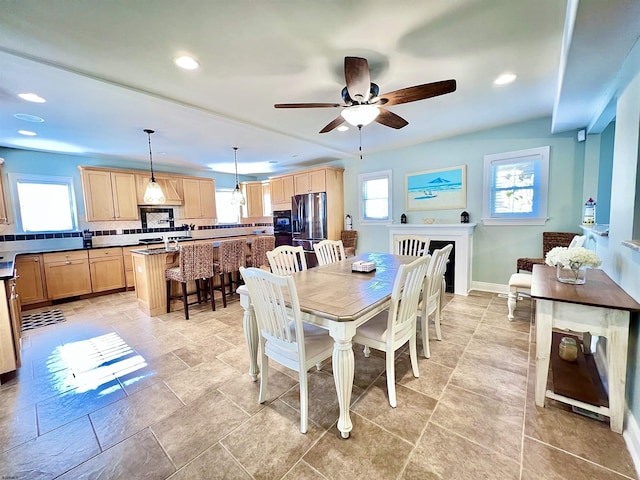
[
  {"x": 308, "y": 105},
  {"x": 356, "y": 74},
  {"x": 418, "y": 92},
  {"x": 336, "y": 122},
  {"x": 390, "y": 119}
]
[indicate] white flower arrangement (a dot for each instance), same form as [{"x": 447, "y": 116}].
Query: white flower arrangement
[{"x": 572, "y": 258}]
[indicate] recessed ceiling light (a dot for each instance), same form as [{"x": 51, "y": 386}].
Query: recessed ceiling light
[
  {"x": 28, "y": 118},
  {"x": 343, "y": 128},
  {"x": 31, "y": 97},
  {"x": 29, "y": 133},
  {"x": 186, "y": 62},
  {"x": 273, "y": 161},
  {"x": 505, "y": 78}
]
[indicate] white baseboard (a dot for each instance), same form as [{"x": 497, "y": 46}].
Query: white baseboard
[
  {"x": 489, "y": 287},
  {"x": 631, "y": 436}
]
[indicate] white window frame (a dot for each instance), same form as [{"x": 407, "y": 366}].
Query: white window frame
[
  {"x": 221, "y": 202},
  {"x": 541, "y": 187},
  {"x": 365, "y": 177},
  {"x": 14, "y": 178}
]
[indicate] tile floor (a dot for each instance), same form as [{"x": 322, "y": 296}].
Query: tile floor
[{"x": 111, "y": 393}]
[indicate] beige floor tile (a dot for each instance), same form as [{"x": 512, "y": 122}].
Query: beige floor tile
[
  {"x": 212, "y": 464},
  {"x": 445, "y": 353},
  {"x": 496, "y": 355},
  {"x": 51, "y": 454},
  {"x": 409, "y": 417},
  {"x": 520, "y": 323},
  {"x": 194, "y": 428},
  {"x": 463, "y": 412},
  {"x": 303, "y": 471},
  {"x": 542, "y": 462},
  {"x": 138, "y": 457},
  {"x": 132, "y": 414},
  {"x": 460, "y": 319},
  {"x": 501, "y": 336},
  {"x": 16, "y": 427},
  {"x": 323, "y": 400},
  {"x": 462, "y": 306},
  {"x": 155, "y": 370},
  {"x": 507, "y": 387},
  {"x": 276, "y": 442},
  {"x": 443, "y": 455},
  {"x": 204, "y": 350},
  {"x": 370, "y": 452},
  {"x": 194, "y": 382},
  {"x": 432, "y": 380},
  {"x": 73, "y": 404}
]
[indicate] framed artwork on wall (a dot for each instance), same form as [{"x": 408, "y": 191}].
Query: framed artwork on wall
[{"x": 442, "y": 189}]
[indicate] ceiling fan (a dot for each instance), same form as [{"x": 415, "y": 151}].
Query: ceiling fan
[{"x": 362, "y": 102}]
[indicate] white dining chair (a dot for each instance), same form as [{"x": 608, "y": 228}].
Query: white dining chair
[
  {"x": 391, "y": 329},
  {"x": 431, "y": 301},
  {"x": 413, "y": 245},
  {"x": 285, "y": 260},
  {"x": 284, "y": 337},
  {"x": 329, "y": 251}
]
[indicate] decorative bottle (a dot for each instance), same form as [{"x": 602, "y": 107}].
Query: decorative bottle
[{"x": 589, "y": 212}]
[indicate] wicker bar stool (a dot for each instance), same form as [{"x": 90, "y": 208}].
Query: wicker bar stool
[
  {"x": 259, "y": 248},
  {"x": 232, "y": 254},
  {"x": 194, "y": 264},
  {"x": 349, "y": 240}
]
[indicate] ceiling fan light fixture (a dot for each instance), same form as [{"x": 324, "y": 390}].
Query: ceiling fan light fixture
[
  {"x": 505, "y": 79},
  {"x": 237, "y": 198},
  {"x": 342, "y": 128},
  {"x": 360, "y": 115},
  {"x": 153, "y": 195}
]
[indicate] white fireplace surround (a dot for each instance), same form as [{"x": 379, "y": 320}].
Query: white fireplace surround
[{"x": 461, "y": 234}]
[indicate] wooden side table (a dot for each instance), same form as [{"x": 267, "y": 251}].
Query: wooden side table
[{"x": 599, "y": 307}]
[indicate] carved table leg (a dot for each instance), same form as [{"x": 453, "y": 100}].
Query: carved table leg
[
  {"x": 343, "y": 371},
  {"x": 250, "y": 332}
]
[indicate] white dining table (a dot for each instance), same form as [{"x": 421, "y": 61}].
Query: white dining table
[{"x": 333, "y": 297}]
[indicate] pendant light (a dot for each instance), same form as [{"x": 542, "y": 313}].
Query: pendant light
[
  {"x": 153, "y": 194},
  {"x": 237, "y": 198}
]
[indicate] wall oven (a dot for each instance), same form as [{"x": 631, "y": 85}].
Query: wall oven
[{"x": 282, "y": 227}]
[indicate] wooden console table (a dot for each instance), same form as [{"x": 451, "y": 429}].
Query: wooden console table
[{"x": 599, "y": 307}]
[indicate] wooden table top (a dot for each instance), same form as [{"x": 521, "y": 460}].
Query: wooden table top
[
  {"x": 335, "y": 292},
  {"x": 598, "y": 291}
]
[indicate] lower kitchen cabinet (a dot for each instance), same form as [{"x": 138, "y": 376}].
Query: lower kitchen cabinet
[
  {"x": 30, "y": 282},
  {"x": 107, "y": 269},
  {"x": 129, "y": 277},
  {"x": 67, "y": 274}
]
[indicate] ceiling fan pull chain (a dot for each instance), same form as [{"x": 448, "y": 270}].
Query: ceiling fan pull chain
[{"x": 360, "y": 132}]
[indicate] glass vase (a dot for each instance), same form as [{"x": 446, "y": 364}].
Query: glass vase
[{"x": 575, "y": 276}]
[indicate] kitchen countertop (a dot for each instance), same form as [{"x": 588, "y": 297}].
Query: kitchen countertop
[{"x": 7, "y": 258}]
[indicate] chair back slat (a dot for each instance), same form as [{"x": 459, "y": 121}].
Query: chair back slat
[
  {"x": 413, "y": 245},
  {"x": 329, "y": 251},
  {"x": 285, "y": 260}
]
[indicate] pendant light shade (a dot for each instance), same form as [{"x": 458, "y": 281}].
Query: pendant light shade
[
  {"x": 153, "y": 194},
  {"x": 237, "y": 198}
]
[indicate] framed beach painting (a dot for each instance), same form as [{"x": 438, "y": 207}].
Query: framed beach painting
[{"x": 442, "y": 189}]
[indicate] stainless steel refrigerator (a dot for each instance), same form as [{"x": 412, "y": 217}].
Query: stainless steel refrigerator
[{"x": 309, "y": 218}]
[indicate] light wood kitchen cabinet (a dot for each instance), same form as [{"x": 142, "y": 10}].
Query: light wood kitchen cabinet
[
  {"x": 252, "y": 192},
  {"x": 109, "y": 195},
  {"x": 267, "y": 211},
  {"x": 313, "y": 181},
  {"x": 129, "y": 277},
  {"x": 107, "y": 269},
  {"x": 67, "y": 274},
  {"x": 281, "y": 192},
  {"x": 4, "y": 218},
  {"x": 170, "y": 185},
  {"x": 30, "y": 282},
  {"x": 199, "y": 198}
]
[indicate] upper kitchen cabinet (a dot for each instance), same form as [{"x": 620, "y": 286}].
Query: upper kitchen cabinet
[
  {"x": 170, "y": 185},
  {"x": 108, "y": 195},
  {"x": 3, "y": 205},
  {"x": 254, "y": 196},
  {"x": 267, "y": 211},
  {"x": 199, "y": 196},
  {"x": 281, "y": 192},
  {"x": 313, "y": 181}
]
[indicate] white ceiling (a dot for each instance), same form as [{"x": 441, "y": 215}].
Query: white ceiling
[{"x": 106, "y": 69}]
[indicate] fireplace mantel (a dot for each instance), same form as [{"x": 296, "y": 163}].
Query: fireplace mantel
[{"x": 459, "y": 233}]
